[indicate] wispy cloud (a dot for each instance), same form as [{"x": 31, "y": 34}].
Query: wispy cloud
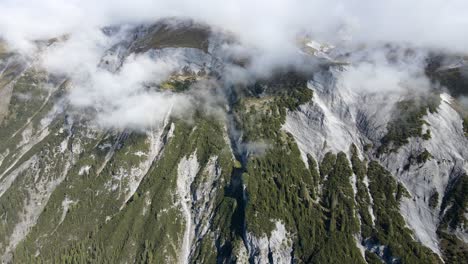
[{"x": 266, "y": 31}]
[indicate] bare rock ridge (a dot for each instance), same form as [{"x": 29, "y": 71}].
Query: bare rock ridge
[{"x": 296, "y": 167}]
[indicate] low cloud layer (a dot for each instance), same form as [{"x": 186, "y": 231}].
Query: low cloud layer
[
  {"x": 126, "y": 98},
  {"x": 270, "y": 25},
  {"x": 378, "y": 72},
  {"x": 268, "y": 30}
]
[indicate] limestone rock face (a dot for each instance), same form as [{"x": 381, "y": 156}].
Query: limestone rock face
[{"x": 290, "y": 168}]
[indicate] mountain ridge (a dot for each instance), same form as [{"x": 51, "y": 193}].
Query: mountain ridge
[{"x": 286, "y": 168}]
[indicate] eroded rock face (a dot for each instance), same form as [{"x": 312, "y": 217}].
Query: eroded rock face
[
  {"x": 187, "y": 171},
  {"x": 275, "y": 248},
  {"x": 338, "y": 117},
  {"x": 169, "y": 194},
  {"x": 448, "y": 147}
]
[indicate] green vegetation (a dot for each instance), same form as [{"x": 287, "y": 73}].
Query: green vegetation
[
  {"x": 29, "y": 95},
  {"x": 237, "y": 164},
  {"x": 424, "y": 156},
  {"x": 28, "y": 106},
  {"x": 390, "y": 228},
  {"x": 434, "y": 199},
  {"x": 427, "y": 135},
  {"x": 111, "y": 234},
  {"x": 179, "y": 83},
  {"x": 418, "y": 159},
  {"x": 331, "y": 227},
  {"x": 454, "y": 249},
  {"x": 88, "y": 218},
  {"x": 455, "y": 202},
  {"x": 164, "y": 35},
  {"x": 92, "y": 195},
  {"x": 313, "y": 168},
  {"x": 280, "y": 187},
  {"x": 408, "y": 122},
  {"x": 341, "y": 223},
  {"x": 327, "y": 164},
  {"x": 454, "y": 79},
  {"x": 453, "y": 210},
  {"x": 363, "y": 201}
]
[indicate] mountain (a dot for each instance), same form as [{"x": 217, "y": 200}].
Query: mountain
[{"x": 293, "y": 167}]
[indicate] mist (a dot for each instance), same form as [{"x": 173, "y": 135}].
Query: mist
[
  {"x": 267, "y": 32},
  {"x": 268, "y": 25}
]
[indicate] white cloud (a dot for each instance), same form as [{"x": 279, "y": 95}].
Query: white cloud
[
  {"x": 122, "y": 99},
  {"x": 376, "y": 72},
  {"x": 266, "y": 29},
  {"x": 268, "y": 24}
]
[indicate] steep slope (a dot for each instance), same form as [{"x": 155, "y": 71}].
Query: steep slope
[
  {"x": 292, "y": 168},
  {"x": 423, "y": 149}
]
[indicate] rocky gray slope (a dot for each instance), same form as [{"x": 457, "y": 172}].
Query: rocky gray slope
[{"x": 296, "y": 168}]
